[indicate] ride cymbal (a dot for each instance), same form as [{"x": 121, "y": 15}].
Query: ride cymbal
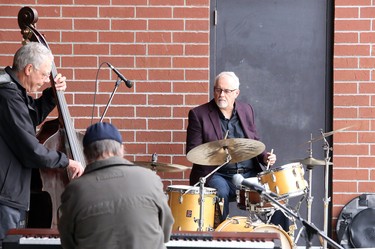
[
  {"x": 216, "y": 152},
  {"x": 327, "y": 134},
  {"x": 161, "y": 167}
]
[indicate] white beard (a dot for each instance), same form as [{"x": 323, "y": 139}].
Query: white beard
[{"x": 222, "y": 104}]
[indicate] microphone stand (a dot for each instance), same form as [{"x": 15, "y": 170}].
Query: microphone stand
[
  {"x": 311, "y": 229},
  {"x": 110, "y": 99}
]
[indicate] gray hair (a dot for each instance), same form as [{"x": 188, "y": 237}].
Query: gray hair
[
  {"x": 100, "y": 149},
  {"x": 230, "y": 74},
  {"x": 32, "y": 53}
]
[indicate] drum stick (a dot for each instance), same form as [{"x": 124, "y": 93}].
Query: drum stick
[
  {"x": 268, "y": 164},
  {"x": 226, "y": 134}
]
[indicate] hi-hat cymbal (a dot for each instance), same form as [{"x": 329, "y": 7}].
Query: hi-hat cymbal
[
  {"x": 161, "y": 167},
  {"x": 310, "y": 161},
  {"x": 327, "y": 134},
  {"x": 215, "y": 153}
]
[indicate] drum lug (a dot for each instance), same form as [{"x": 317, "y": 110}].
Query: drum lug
[
  {"x": 277, "y": 190},
  {"x": 200, "y": 200},
  {"x": 273, "y": 178},
  {"x": 235, "y": 221}
]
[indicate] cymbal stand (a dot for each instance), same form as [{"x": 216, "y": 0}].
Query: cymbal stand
[
  {"x": 310, "y": 198},
  {"x": 326, "y": 199},
  {"x": 202, "y": 181}
]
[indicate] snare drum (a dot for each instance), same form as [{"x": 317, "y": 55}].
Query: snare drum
[
  {"x": 185, "y": 207},
  {"x": 243, "y": 224},
  {"x": 251, "y": 200},
  {"x": 286, "y": 181}
]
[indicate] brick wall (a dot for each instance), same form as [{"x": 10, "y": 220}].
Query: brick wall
[
  {"x": 354, "y": 89},
  {"x": 163, "y": 46}
]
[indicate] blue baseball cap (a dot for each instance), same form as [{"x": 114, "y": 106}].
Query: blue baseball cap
[{"x": 101, "y": 131}]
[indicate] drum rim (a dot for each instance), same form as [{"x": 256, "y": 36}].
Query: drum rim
[
  {"x": 230, "y": 221},
  {"x": 278, "y": 228},
  {"x": 254, "y": 226},
  {"x": 194, "y": 189},
  {"x": 282, "y": 167}
]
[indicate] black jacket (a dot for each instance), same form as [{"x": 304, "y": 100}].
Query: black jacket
[{"x": 20, "y": 150}]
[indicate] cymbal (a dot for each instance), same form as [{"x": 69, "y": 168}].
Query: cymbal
[
  {"x": 161, "y": 167},
  {"x": 327, "y": 134},
  {"x": 215, "y": 153},
  {"x": 310, "y": 161}
]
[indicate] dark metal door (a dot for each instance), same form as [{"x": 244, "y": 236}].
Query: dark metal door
[{"x": 282, "y": 52}]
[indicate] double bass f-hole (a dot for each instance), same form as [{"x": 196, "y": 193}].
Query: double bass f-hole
[{"x": 56, "y": 134}]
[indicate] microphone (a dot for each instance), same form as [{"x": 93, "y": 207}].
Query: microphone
[
  {"x": 128, "y": 83},
  {"x": 239, "y": 180}
]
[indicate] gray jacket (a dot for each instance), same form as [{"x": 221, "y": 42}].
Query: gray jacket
[{"x": 115, "y": 204}]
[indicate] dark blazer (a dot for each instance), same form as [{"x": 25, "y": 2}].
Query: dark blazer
[{"x": 204, "y": 126}]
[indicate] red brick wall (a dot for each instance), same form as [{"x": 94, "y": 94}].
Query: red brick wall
[
  {"x": 354, "y": 88},
  {"x": 163, "y": 45}
]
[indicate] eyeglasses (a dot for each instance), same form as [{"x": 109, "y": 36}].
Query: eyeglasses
[
  {"x": 45, "y": 75},
  {"x": 226, "y": 91}
]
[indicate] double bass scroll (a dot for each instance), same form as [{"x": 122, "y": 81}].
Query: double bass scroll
[{"x": 58, "y": 134}]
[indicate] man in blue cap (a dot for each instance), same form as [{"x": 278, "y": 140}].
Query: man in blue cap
[{"x": 114, "y": 204}]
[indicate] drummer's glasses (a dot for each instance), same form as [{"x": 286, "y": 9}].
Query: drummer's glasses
[{"x": 226, "y": 91}]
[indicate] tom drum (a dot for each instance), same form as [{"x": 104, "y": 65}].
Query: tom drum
[{"x": 285, "y": 181}]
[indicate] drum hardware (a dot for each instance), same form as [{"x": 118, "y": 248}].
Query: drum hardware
[
  {"x": 251, "y": 201},
  {"x": 202, "y": 181},
  {"x": 215, "y": 153},
  {"x": 326, "y": 199},
  {"x": 310, "y": 228},
  {"x": 311, "y": 162},
  {"x": 160, "y": 167}
]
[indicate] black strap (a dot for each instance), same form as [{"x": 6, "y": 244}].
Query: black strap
[{"x": 344, "y": 226}]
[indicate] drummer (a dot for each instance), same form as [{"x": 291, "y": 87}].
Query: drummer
[{"x": 225, "y": 117}]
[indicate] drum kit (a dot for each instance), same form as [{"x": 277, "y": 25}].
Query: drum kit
[{"x": 194, "y": 207}]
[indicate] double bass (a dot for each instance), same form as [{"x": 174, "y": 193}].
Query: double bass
[{"x": 59, "y": 134}]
